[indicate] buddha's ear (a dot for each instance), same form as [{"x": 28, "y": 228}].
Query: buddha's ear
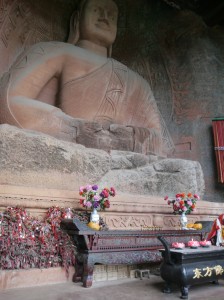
[
  {"x": 109, "y": 51},
  {"x": 74, "y": 28}
]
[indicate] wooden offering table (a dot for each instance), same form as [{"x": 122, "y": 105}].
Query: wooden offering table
[
  {"x": 118, "y": 247},
  {"x": 188, "y": 266}
]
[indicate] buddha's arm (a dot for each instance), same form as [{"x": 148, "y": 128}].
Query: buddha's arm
[
  {"x": 20, "y": 89},
  {"x": 39, "y": 116}
]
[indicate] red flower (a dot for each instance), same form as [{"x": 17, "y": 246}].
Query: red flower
[
  {"x": 105, "y": 193},
  {"x": 112, "y": 192},
  {"x": 107, "y": 204},
  {"x": 166, "y": 198}
]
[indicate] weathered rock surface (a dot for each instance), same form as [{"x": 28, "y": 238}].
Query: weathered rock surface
[{"x": 33, "y": 159}]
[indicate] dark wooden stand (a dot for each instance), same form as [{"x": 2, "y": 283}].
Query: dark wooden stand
[
  {"x": 116, "y": 247},
  {"x": 190, "y": 266}
]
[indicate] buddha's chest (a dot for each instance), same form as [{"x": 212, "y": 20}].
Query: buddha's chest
[{"x": 96, "y": 96}]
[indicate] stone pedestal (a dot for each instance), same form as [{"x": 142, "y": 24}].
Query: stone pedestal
[{"x": 38, "y": 171}]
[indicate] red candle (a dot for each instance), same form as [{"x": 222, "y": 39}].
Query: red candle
[
  {"x": 193, "y": 244},
  {"x": 178, "y": 245},
  {"x": 205, "y": 243}
]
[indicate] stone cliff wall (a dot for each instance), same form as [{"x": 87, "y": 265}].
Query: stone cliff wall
[{"x": 174, "y": 50}]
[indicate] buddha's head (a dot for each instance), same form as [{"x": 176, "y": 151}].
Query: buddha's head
[{"x": 95, "y": 21}]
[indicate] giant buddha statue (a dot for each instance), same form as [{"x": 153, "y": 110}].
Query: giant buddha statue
[
  {"x": 75, "y": 92},
  {"x": 63, "y": 88}
]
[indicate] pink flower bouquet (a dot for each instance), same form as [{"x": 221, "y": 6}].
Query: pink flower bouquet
[{"x": 94, "y": 198}]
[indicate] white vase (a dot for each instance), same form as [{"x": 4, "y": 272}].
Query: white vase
[
  {"x": 94, "y": 217},
  {"x": 183, "y": 221}
]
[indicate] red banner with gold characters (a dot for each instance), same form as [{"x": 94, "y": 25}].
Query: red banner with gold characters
[{"x": 218, "y": 131}]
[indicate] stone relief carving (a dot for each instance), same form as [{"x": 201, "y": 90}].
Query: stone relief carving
[
  {"x": 14, "y": 14},
  {"x": 127, "y": 221},
  {"x": 26, "y": 22}
]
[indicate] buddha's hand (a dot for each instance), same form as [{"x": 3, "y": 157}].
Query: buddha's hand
[
  {"x": 67, "y": 128},
  {"x": 63, "y": 127}
]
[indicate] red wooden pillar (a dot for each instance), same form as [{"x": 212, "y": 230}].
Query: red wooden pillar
[{"x": 218, "y": 131}]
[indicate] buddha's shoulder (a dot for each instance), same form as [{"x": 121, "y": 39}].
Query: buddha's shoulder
[
  {"x": 132, "y": 74},
  {"x": 51, "y": 47},
  {"x": 54, "y": 49}
]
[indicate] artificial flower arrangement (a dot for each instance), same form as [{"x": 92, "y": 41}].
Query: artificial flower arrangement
[
  {"x": 183, "y": 203},
  {"x": 94, "y": 198}
]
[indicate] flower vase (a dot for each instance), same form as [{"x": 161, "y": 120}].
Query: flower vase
[
  {"x": 183, "y": 221},
  {"x": 94, "y": 220},
  {"x": 94, "y": 217}
]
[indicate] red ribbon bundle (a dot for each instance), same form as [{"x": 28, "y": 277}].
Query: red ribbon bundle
[{"x": 26, "y": 242}]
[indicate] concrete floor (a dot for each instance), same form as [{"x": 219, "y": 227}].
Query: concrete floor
[{"x": 126, "y": 289}]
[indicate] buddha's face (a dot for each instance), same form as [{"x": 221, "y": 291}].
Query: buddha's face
[{"x": 98, "y": 22}]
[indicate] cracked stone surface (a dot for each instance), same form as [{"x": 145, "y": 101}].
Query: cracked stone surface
[{"x": 29, "y": 158}]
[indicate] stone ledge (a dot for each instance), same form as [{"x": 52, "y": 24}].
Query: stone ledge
[
  {"x": 10, "y": 279},
  {"x": 40, "y": 198}
]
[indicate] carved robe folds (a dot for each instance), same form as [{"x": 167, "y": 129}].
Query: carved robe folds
[{"x": 124, "y": 105}]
